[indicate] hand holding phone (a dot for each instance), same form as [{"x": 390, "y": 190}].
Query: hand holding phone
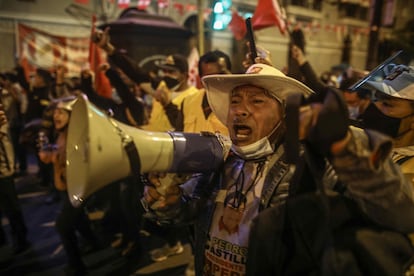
[{"x": 250, "y": 37}]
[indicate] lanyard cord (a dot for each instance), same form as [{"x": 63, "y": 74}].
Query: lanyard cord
[{"x": 240, "y": 196}]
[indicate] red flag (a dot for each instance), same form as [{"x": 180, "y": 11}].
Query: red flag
[
  {"x": 102, "y": 85},
  {"x": 237, "y": 26},
  {"x": 267, "y": 14}
]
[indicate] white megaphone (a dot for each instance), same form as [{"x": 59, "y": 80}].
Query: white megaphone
[{"x": 101, "y": 150}]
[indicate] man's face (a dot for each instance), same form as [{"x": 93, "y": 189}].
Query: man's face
[
  {"x": 394, "y": 107},
  {"x": 252, "y": 115},
  {"x": 351, "y": 98}
]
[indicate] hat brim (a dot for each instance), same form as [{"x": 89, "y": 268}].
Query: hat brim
[
  {"x": 406, "y": 93},
  {"x": 168, "y": 67},
  {"x": 218, "y": 89}
]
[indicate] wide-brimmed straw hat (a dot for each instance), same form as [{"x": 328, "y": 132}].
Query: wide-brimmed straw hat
[
  {"x": 219, "y": 87},
  {"x": 399, "y": 83}
]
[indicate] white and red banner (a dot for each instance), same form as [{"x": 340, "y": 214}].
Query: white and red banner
[{"x": 37, "y": 48}]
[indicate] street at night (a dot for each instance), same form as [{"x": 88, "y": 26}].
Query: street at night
[{"x": 47, "y": 257}]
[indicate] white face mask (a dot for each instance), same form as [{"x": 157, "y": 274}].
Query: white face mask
[{"x": 256, "y": 150}]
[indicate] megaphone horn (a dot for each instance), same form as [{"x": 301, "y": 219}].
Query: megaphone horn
[{"x": 101, "y": 150}]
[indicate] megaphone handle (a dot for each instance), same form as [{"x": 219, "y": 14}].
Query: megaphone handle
[{"x": 166, "y": 182}]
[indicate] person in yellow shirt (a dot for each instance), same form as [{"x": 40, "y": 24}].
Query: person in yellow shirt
[
  {"x": 170, "y": 93},
  {"x": 196, "y": 114}
]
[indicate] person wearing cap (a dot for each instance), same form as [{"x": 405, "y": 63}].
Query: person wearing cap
[
  {"x": 252, "y": 106},
  {"x": 392, "y": 113},
  {"x": 170, "y": 93},
  {"x": 70, "y": 219},
  {"x": 195, "y": 116}
]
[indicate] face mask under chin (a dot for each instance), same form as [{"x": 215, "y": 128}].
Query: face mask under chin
[
  {"x": 256, "y": 150},
  {"x": 260, "y": 148}
]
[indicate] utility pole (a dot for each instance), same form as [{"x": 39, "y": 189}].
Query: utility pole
[
  {"x": 200, "y": 27},
  {"x": 375, "y": 24}
]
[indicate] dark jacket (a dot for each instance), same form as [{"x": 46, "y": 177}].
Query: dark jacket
[{"x": 380, "y": 192}]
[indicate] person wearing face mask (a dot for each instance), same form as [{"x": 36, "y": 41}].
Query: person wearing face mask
[
  {"x": 392, "y": 113},
  {"x": 255, "y": 176},
  {"x": 170, "y": 93},
  {"x": 195, "y": 115},
  {"x": 357, "y": 101}
]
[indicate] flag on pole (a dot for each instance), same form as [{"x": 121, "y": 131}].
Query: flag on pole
[
  {"x": 102, "y": 85},
  {"x": 237, "y": 25},
  {"x": 194, "y": 78},
  {"x": 267, "y": 14}
]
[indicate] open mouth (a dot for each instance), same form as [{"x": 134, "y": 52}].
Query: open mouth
[{"x": 242, "y": 131}]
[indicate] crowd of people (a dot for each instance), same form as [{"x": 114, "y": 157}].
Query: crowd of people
[{"x": 363, "y": 142}]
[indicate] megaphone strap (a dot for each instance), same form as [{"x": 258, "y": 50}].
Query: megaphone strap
[
  {"x": 130, "y": 149},
  {"x": 133, "y": 157}
]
